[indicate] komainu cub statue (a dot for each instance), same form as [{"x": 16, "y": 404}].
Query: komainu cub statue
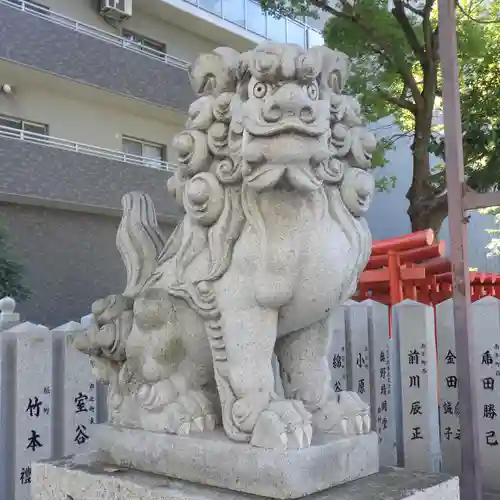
[{"x": 273, "y": 180}]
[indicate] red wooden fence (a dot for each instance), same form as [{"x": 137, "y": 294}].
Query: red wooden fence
[{"x": 414, "y": 267}]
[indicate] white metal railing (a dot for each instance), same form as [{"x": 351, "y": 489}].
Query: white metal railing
[
  {"x": 94, "y": 32},
  {"x": 238, "y": 13},
  {"x": 77, "y": 147}
]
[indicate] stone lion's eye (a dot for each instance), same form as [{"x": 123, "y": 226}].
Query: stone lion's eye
[
  {"x": 312, "y": 91},
  {"x": 260, "y": 90}
]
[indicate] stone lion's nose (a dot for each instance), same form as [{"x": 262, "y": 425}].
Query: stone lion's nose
[
  {"x": 273, "y": 113},
  {"x": 288, "y": 105},
  {"x": 307, "y": 114}
]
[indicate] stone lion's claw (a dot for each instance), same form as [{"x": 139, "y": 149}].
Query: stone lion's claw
[
  {"x": 344, "y": 425},
  {"x": 298, "y": 434},
  {"x": 199, "y": 423},
  {"x": 185, "y": 429},
  {"x": 282, "y": 426},
  {"x": 284, "y": 439},
  {"x": 175, "y": 413},
  {"x": 308, "y": 430},
  {"x": 366, "y": 423},
  {"x": 359, "y": 424},
  {"x": 343, "y": 413},
  {"x": 210, "y": 422}
]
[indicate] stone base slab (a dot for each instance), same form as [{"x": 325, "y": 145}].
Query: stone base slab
[
  {"x": 212, "y": 459},
  {"x": 67, "y": 479}
]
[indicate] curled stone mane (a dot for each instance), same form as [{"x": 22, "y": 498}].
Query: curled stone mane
[{"x": 211, "y": 180}]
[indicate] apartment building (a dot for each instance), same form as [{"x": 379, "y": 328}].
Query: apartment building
[{"x": 91, "y": 94}]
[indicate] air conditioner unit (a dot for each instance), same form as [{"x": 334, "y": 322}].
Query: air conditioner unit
[{"x": 118, "y": 10}]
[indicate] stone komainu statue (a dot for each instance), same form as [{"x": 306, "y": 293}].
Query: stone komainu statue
[{"x": 273, "y": 182}]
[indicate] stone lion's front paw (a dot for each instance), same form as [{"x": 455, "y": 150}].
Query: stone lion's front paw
[
  {"x": 345, "y": 414},
  {"x": 189, "y": 413},
  {"x": 283, "y": 425}
]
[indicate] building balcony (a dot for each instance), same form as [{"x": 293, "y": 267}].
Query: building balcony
[
  {"x": 53, "y": 43},
  {"x": 41, "y": 170}
]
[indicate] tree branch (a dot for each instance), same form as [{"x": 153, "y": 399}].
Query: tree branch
[
  {"x": 428, "y": 8},
  {"x": 399, "y": 13},
  {"x": 396, "y": 137},
  {"x": 435, "y": 44},
  {"x": 398, "y": 101},
  {"x": 379, "y": 44},
  {"x": 323, "y": 5},
  {"x": 428, "y": 34},
  {"x": 430, "y": 64},
  {"x": 419, "y": 12}
]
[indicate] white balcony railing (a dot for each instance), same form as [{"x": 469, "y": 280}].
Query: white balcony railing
[
  {"x": 110, "y": 154},
  {"x": 73, "y": 24},
  {"x": 248, "y": 14}
]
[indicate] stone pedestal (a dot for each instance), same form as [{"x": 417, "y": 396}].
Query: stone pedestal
[
  {"x": 68, "y": 479},
  {"x": 211, "y": 459}
]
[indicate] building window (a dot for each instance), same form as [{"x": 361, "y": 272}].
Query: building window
[
  {"x": 25, "y": 125},
  {"x": 32, "y": 6},
  {"x": 147, "y": 44},
  {"x": 234, "y": 11},
  {"x": 213, "y": 6},
  {"x": 314, "y": 38},
  {"x": 153, "y": 152}
]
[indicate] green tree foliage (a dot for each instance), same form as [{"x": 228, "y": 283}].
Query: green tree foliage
[
  {"x": 480, "y": 99},
  {"x": 396, "y": 71},
  {"x": 11, "y": 273}
]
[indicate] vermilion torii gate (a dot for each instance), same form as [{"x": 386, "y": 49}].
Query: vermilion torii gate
[{"x": 460, "y": 199}]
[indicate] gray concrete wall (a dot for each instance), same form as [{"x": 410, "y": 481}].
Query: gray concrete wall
[
  {"x": 70, "y": 260},
  {"x": 46, "y": 46},
  {"x": 180, "y": 43},
  {"x": 42, "y": 175}
]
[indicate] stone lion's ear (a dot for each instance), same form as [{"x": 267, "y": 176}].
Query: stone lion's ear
[
  {"x": 244, "y": 65},
  {"x": 243, "y": 74},
  {"x": 334, "y": 68},
  {"x": 216, "y": 72}
]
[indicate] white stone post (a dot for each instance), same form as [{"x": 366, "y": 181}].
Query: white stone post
[
  {"x": 382, "y": 373},
  {"x": 8, "y": 316},
  {"x": 75, "y": 387},
  {"x": 31, "y": 406},
  {"x": 337, "y": 350},
  {"x": 486, "y": 327},
  {"x": 415, "y": 332},
  {"x": 358, "y": 355},
  {"x": 7, "y": 402},
  {"x": 448, "y": 388}
]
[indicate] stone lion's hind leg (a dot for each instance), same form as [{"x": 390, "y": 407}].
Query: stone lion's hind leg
[{"x": 306, "y": 376}]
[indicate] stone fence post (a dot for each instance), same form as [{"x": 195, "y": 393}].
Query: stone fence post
[
  {"x": 414, "y": 334},
  {"x": 47, "y": 399},
  {"x": 8, "y": 316}
]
